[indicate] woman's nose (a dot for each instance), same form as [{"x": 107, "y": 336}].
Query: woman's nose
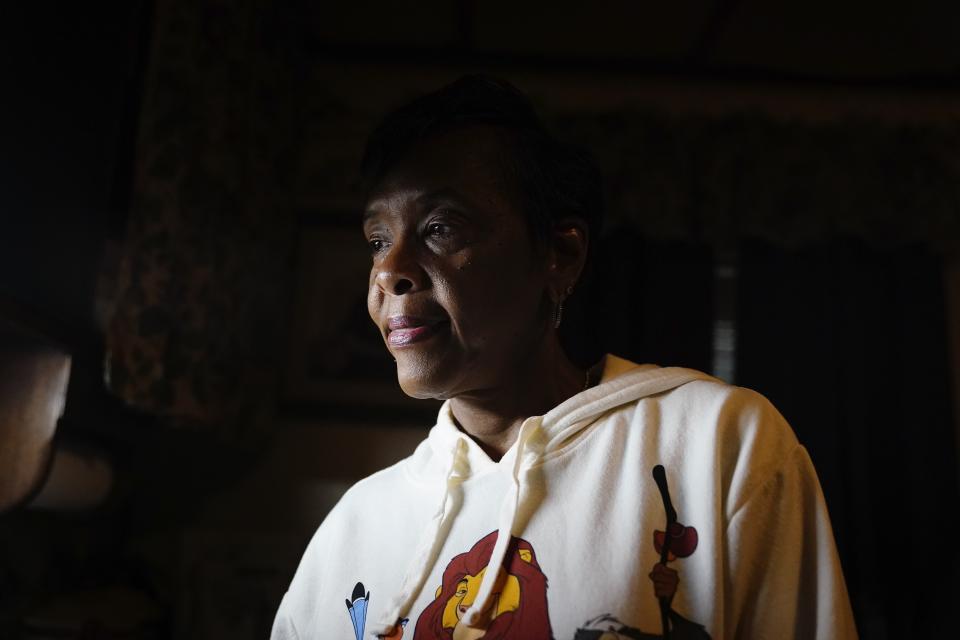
[{"x": 398, "y": 271}]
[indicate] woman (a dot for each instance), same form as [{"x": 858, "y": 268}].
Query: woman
[{"x": 532, "y": 510}]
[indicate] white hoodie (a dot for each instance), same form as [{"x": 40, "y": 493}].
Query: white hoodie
[{"x": 416, "y": 544}]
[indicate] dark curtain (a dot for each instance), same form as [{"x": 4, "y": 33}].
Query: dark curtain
[
  {"x": 849, "y": 343},
  {"x": 204, "y": 278}
]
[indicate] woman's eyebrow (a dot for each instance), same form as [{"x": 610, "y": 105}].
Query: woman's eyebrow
[{"x": 445, "y": 194}]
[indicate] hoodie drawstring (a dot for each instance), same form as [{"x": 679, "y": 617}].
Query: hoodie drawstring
[
  {"x": 530, "y": 446},
  {"x": 428, "y": 548},
  {"x": 563, "y": 422}
]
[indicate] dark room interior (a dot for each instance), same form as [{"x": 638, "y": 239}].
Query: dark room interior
[{"x": 189, "y": 380}]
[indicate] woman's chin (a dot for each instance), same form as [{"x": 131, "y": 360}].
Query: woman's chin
[
  {"x": 416, "y": 384},
  {"x": 422, "y": 383}
]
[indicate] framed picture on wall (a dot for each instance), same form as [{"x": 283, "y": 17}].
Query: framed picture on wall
[{"x": 335, "y": 356}]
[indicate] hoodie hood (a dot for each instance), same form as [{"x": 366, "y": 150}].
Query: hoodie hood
[
  {"x": 454, "y": 456},
  {"x": 621, "y": 382}
]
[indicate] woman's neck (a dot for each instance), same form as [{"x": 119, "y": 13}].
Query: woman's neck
[{"x": 492, "y": 418}]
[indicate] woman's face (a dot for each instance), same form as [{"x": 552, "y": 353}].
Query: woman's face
[{"x": 456, "y": 287}]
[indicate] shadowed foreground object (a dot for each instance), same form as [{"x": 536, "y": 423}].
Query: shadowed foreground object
[{"x": 33, "y": 387}]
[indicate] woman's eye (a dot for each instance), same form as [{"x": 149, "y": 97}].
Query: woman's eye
[
  {"x": 438, "y": 229},
  {"x": 376, "y": 245}
]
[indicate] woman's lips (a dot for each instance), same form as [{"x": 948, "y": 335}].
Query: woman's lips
[{"x": 407, "y": 330}]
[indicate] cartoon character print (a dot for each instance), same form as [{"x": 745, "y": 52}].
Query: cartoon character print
[
  {"x": 357, "y": 608},
  {"x": 675, "y": 541},
  {"x": 357, "y": 605},
  {"x": 607, "y": 627},
  {"x": 518, "y": 608}
]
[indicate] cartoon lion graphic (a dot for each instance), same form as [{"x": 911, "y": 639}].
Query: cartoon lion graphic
[{"x": 518, "y": 608}]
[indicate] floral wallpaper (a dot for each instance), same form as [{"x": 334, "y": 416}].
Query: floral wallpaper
[{"x": 792, "y": 183}]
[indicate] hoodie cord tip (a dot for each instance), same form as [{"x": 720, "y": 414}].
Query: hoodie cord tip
[{"x": 471, "y": 617}]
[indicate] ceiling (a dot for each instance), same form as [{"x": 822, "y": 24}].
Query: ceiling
[{"x": 854, "y": 42}]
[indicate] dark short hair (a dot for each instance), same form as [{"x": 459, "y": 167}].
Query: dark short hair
[{"x": 555, "y": 179}]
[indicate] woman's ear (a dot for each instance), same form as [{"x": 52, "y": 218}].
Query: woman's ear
[{"x": 569, "y": 242}]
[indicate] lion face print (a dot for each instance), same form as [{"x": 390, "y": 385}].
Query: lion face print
[{"x": 518, "y": 608}]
